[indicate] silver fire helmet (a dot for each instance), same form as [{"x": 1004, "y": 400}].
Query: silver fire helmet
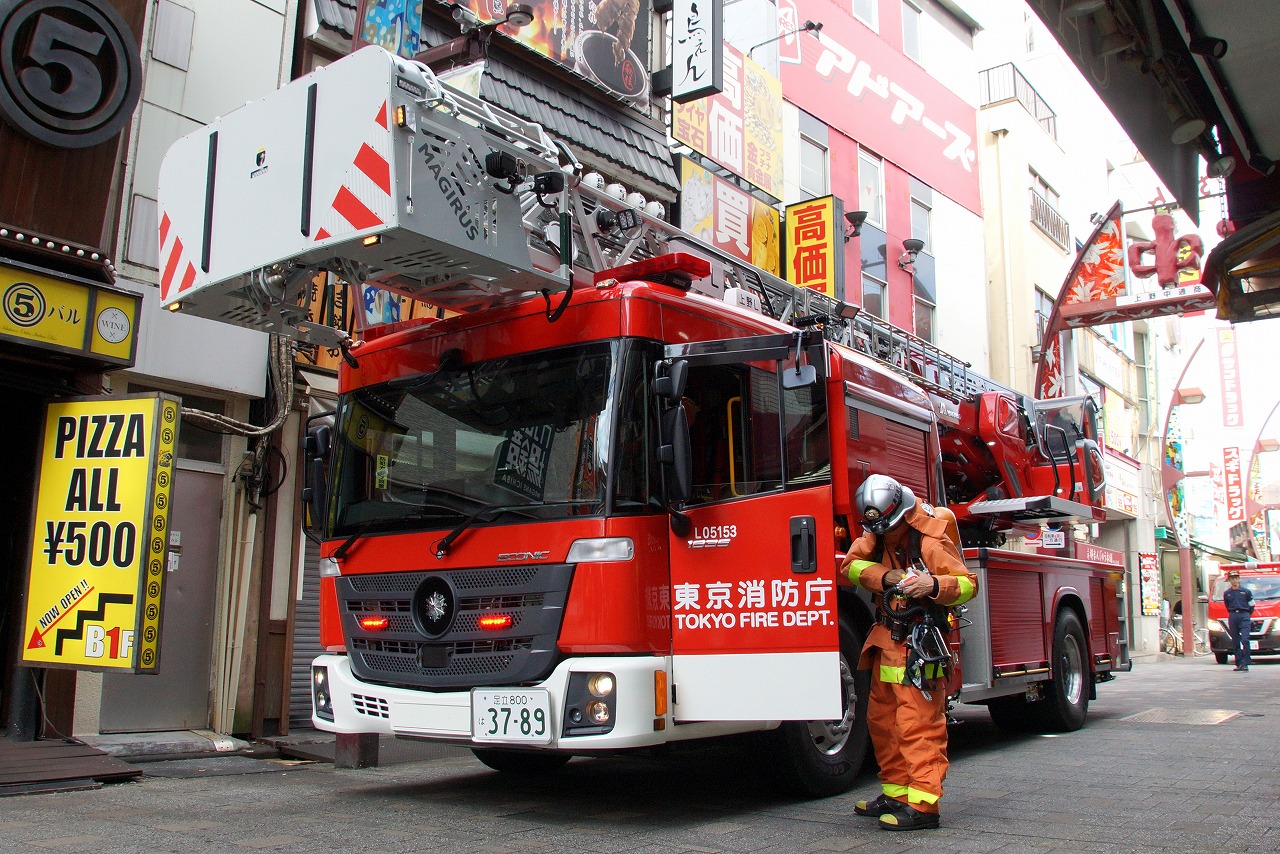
[{"x": 882, "y": 503}]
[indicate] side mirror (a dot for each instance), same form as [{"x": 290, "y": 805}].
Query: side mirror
[
  {"x": 315, "y": 489},
  {"x": 670, "y": 379},
  {"x": 675, "y": 455},
  {"x": 1202, "y": 598},
  {"x": 799, "y": 376}
]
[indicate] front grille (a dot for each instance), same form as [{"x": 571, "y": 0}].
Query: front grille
[
  {"x": 374, "y": 707},
  {"x": 463, "y": 655}
]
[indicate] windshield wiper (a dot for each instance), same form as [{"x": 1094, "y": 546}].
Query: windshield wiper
[
  {"x": 369, "y": 524},
  {"x": 442, "y": 546}
]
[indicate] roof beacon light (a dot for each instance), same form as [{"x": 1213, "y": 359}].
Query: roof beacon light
[{"x": 660, "y": 268}]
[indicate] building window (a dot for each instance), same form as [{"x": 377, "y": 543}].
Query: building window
[
  {"x": 867, "y": 11},
  {"x": 813, "y": 168},
  {"x": 911, "y": 30},
  {"x": 924, "y": 288},
  {"x": 924, "y": 319},
  {"x": 1044, "y": 310},
  {"x": 1041, "y": 186},
  {"x": 871, "y": 187},
  {"x": 875, "y": 297}
]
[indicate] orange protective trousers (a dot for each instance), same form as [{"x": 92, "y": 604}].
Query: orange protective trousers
[{"x": 910, "y": 738}]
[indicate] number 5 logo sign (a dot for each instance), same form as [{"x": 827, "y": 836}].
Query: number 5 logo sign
[{"x": 70, "y": 75}]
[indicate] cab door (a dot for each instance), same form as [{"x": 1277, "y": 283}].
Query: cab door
[{"x": 753, "y": 593}]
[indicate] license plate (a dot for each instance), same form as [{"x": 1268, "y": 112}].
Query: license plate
[
  {"x": 522, "y": 715},
  {"x": 1253, "y": 646}
]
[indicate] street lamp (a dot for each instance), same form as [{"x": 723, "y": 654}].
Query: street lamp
[
  {"x": 1170, "y": 476},
  {"x": 814, "y": 27}
]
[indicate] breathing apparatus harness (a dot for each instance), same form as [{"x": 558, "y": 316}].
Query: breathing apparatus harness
[{"x": 920, "y": 624}]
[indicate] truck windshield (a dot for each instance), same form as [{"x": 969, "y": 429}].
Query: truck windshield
[
  {"x": 1261, "y": 586},
  {"x": 531, "y": 433}
]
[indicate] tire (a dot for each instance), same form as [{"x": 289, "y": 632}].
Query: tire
[
  {"x": 1169, "y": 644},
  {"x": 819, "y": 759},
  {"x": 1012, "y": 714},
  {"x": 1220, "y": 657},
  {"x": 1067, "y": 697},
  {"x": 521, "y": 761}
]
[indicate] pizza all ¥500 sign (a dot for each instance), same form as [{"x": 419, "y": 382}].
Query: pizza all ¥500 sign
[{"x": 100, "y": 534}]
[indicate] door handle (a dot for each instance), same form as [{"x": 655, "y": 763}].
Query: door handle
[{"x": 804, "y": 544}]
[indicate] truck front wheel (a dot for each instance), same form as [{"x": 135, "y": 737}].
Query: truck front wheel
[
  {"x": 520, "y": 761},
  {"x": 818, "y": 759},
  {"x": 1067, "y": 697}
]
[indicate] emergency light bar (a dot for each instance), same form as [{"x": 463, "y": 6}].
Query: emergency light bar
[{"x": 368, "y": 167}]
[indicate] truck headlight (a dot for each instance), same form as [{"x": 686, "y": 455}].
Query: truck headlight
[
  {"x": 321, "y": 697},
  {"x": 590, "y": 703}
]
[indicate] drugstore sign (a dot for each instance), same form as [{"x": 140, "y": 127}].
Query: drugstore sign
[{"x": 101, "y": 532}]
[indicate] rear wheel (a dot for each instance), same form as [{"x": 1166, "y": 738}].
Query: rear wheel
[
  {"x": 1067, "y": 697},
  {"x": 818, "y": 759},
  {"x": 1011, "y": 714},
  {"x": 1220, "y": 657},
  {"x": 521, "y": 761}
]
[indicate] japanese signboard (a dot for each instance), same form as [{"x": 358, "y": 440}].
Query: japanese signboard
[
  {"x": 1124, "y": 483},
  {"x": 68, "y": 316},
  {"x": 601, "y": 41},
  {"x": 814, "y": 245},
  {"x": 332, "y": 302},
  {"x": 856, "y": 81},
  {"x": 697, "y": 50},
  {"x": 101, "y": 532},
  {"x": 1229, "y": 371},
  {"x": 728, "y": 217},
  {"x": 741, "y": 127},
  {"x": 1149, "y": 580},
  {"x": 1234, "y": 476},
  {"x": 523, "y": 461}
]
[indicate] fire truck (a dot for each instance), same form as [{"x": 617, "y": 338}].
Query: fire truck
[
  {"x": 599, "y": 503},
  {"x": 1263, "y": 581}
]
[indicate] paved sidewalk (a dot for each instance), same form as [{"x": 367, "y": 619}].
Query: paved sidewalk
[{"x": 1168, "y": 780}]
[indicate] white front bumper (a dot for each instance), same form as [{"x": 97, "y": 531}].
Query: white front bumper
[{"x": 361, "y": 707}]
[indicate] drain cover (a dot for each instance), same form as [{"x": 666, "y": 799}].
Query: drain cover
[{"x": 1193, "y": 717}]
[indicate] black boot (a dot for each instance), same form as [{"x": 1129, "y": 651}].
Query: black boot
[
  {"x": 877, "y": 807},
  {"x": 908, "y": 818}
]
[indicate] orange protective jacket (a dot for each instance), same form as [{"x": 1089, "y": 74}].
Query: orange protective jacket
[{"x": 956, "y": 585}]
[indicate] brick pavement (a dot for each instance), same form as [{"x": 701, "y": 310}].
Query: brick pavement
[{"x": 1115, "y": 786}]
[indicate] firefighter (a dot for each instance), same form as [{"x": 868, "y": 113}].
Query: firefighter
[{"x": 915, "y": 572}]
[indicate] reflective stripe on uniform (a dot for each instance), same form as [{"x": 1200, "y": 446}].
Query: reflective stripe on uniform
[
  {"x": 893, "y": 675},
  {"x": 965, "y": 592},
  {"x": 919, "y": 797},
  {"x": 856, "y": 567},
  {"x": 893, "y": 790},
  {"x": 898, "y": 675}
]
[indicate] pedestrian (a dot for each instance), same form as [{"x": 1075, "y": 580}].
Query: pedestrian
[
  {"x": 1239, "y": 602},
  {"x": 914, "y": 571}
]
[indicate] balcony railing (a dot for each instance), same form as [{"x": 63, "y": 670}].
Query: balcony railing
[
  {"x": 1006, "y": 83},
  {"x": 1049, "y": 220}
]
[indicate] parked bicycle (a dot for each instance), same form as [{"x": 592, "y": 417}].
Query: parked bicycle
[{"x": 1171, "y": 639}]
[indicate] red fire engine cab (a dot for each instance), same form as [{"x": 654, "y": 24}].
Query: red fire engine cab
[{"x": 602, "y": 506}]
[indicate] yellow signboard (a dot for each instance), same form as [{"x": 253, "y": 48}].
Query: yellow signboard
[
  {"x": 814, "y": 245},
  {"x": 68, "y": 316},
  {"x": 101, "y": 534}
]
